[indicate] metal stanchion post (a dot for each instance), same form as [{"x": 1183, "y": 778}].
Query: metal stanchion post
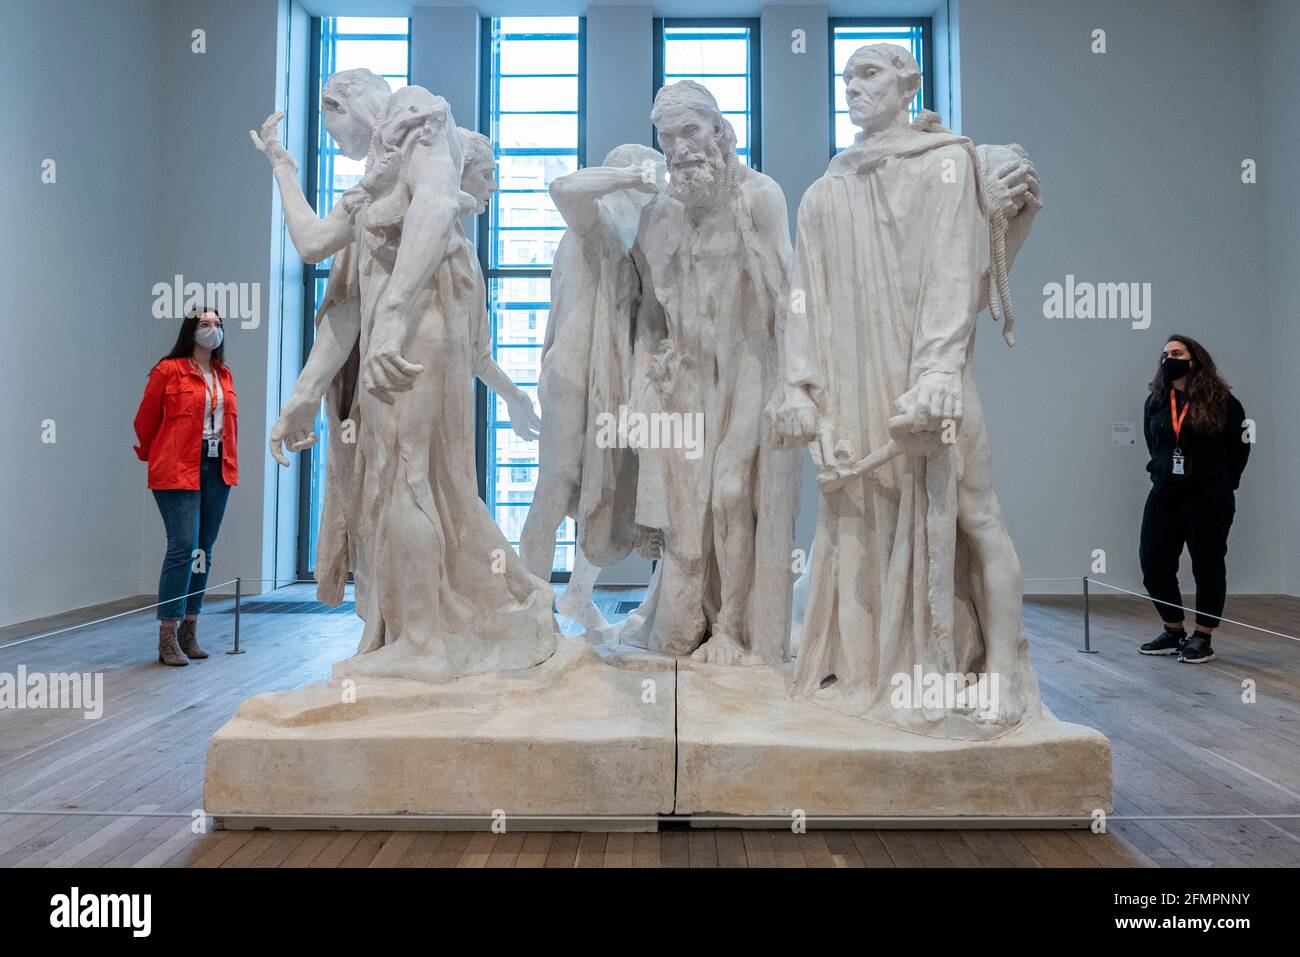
[
  {"x": 238, "y": 589},
  {"x": 1087, "y": 638}
]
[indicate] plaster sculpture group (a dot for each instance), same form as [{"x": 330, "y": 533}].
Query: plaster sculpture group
[{"x": 676, "y": 299}]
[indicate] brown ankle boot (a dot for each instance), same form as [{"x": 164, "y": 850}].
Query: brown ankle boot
[
  {"x": 169, "y": 652},
  {"x": 189, "y": 639}
]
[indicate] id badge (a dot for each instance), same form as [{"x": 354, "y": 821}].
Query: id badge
[
  {"x": 214, "y": 446},
  {"x": 1178, "y": 463}
]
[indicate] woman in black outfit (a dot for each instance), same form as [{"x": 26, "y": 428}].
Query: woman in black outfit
[{"x": 1196, "y": 437}]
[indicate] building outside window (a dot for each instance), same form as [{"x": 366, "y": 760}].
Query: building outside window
[
  {"x": 382, "y": 45},
  {"x": 534, "y": 89},
  {"x": 723, "y": 56},
  {"x": 533, "y": 112},
  {"x": 846, "y": 35}
]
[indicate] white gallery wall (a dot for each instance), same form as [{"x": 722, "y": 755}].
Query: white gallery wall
[
  {"x": 218, "y": 221},
  {"x": 155, "y": 177},
  {"x": 1278, "y": 25},
  {"x": 78, "y": 262},
  {"x": 1140, "y": 151}
]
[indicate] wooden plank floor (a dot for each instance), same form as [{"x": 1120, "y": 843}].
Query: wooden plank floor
[{"x": 1186, "y": 741}]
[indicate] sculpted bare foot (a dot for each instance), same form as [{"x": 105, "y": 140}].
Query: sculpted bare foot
[
  {"x": 1005, "y": 715},
  {"x": 722, "y": 649},
  {"x": 992, "y": 702},
  {"x": 581, "y": 609}
]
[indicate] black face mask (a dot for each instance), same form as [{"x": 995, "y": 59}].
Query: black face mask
[{"x": 1175, "y": 368}]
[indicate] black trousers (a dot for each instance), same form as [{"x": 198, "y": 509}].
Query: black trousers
[{"x": 1198, "y": 517}]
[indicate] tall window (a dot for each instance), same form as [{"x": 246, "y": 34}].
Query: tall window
[
  {"x": 847, "y": 36},
  {"x": 381, "y": 45},
  {"x": 533, "y": 113},
  {"x": 721, "y": 55}
]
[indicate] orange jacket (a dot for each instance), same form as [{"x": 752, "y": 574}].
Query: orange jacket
[{"x": 169, "y": 424}]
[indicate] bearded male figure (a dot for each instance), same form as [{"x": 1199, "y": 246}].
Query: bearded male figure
[
  {"x": 712, "y": 255},
  {"x": 913, "y": 571}
]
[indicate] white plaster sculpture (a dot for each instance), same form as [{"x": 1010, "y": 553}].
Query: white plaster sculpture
[
  {"x": 913, "y": 573},
  {"x": 593, "y": 295},
  {"x": 401, "y": 332},
  {"x": 1011, "y": 189},
  {"x": 692, "y": 319},
  {"x": 712, "y": 256}
]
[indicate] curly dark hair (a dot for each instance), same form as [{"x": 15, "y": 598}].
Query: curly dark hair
[{"x": 1206, "y": 390}]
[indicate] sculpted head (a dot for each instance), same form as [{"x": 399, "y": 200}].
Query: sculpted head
[
  {"x": 698, "y": 142},
  {"x": 625, "y": 205},
  {"x": 650, "y": 161},
  {"x": 880, "y": 80},
  {"x": 351, "y": 102},
  {"x": 479, "y": 174}
]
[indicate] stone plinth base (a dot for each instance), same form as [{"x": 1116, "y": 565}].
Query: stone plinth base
[
  {"x": 613, "y": 740},
  {"x": 570, "y": 738},
  {"x": 745, "y": 748}
]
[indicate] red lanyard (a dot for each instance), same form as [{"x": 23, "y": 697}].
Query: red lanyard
[{"x": 1177, "y": 419}]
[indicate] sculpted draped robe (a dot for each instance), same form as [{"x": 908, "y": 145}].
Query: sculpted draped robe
[
  {"x": 891, "y": 255},
  {"x": 440, "y": 589},
  {"x": 594, "y": 293}
]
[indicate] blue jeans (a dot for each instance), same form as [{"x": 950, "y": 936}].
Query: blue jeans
[{"x": 192, "y": 520}]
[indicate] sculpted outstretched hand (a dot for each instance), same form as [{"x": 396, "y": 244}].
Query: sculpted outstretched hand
[
  {"x": 294, "y": 430},
  {"x": 523, "y": 418},
  {"x": 267, "y": 141},
  {"x": 385, "y": 371}
]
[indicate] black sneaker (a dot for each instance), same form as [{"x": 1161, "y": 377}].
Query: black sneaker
[
  {"x": 1197, "y": 650},
  {"x": 1166, "y": 643}
]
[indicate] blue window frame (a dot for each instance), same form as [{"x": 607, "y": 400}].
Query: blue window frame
[
  {"x": 846, "y": 35},
  {"x": 382, "y": 45},
  {"x": 533, "y": 111},
  {"x": 723, "y": 56}
]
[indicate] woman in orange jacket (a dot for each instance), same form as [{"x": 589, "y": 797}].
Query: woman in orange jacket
[{"x": 187, "y": 426}]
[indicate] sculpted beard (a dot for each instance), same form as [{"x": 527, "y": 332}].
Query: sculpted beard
[{"x": 695, "y": 179}]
